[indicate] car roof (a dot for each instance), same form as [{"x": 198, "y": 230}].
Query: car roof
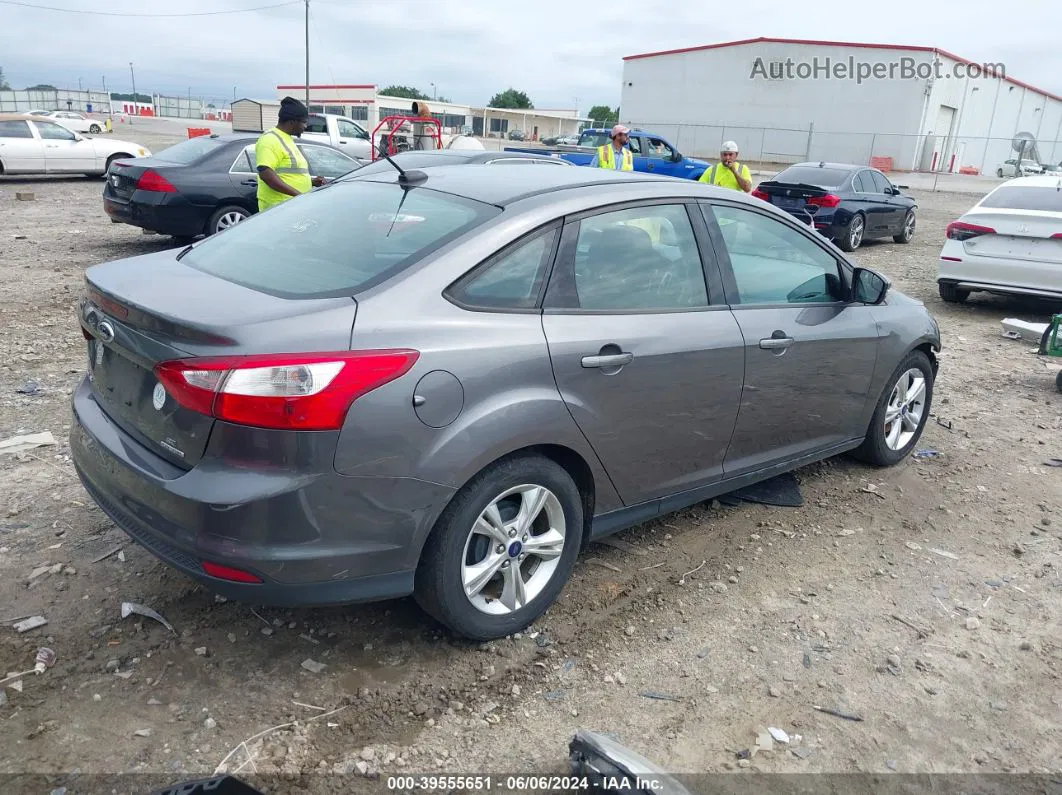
[
  {"x": 16, "y": 117},
  {"x": 1037, "y": 181},
  {"x": 481, "y": 182},
  {"x": 824, "y": 164}
]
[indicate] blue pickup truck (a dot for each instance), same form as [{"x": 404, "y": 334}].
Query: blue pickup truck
[{"x": 652, "y": 153}]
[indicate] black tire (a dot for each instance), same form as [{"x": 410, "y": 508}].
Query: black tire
[
  {"x": 853, "y": 234},
  {"x": 950, "y": 294},
  {"x": 110, "y": 160},
  {"x": 438, "y": 588},
  {"x": 1058, "y": 381},
  {"x": 222, "y": 213},
  {"x": 999, "y": 173},
  {"x": 95, "y": 129},
  {"x": 908, "y": 228},
  {"x": 875, "y": 450}
]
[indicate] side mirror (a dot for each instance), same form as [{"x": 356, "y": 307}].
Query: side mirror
[
  {"x": 869, "y": 287},
  {"x": 677, "y": 157}
]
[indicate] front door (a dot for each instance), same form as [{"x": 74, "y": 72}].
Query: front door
[
  {"x": 809, "y": 354},
  {"x": 660, "y": 156},
  {"x": 895, "y": 212},
  {"x": 64, "y": 152},
  {"x": 650, "y": 368}
]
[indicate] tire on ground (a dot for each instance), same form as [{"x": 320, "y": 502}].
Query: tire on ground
[{"x": 874, "y": 450}]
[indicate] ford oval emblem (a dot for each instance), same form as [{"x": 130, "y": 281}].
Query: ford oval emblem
[
  {"x": 158, "y": 397},
  {"x": 106, "y": 331}
]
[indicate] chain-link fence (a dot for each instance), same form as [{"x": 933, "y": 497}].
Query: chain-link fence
[
  {"x": 888, "y": 151},
  {"x": 59, "y": 99}
]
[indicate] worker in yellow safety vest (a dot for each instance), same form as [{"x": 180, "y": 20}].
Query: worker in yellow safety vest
[
  {"x": 283, "y": 171},
  {"x": 728, "y": 172},
  {"x": 616, "y": 155}
]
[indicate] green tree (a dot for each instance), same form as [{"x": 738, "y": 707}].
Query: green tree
[
  {"x": 511, "y": 99},
  {"x": 408, "y": 92},
  {"x": 145, "y": 99},
  {"x": 42, "y": 87},
  {"x": 603, "y": 114},
  {"x": 4, "y": 85}
]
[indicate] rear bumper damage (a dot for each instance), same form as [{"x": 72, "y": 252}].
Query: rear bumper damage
[{"x": 312, "y": 536}]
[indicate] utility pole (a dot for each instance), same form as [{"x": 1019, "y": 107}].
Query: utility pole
[
  {"x": 136, "y": 110},
  {"x": 307, "y": 54},
  {"x": 79, "y": 85}
]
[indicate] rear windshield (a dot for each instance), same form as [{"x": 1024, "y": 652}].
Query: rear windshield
[
  {"x": 410, "y": 160},
  {"x": 188, "y": 151},
  {"x": 339, "y": 240},
  {"x": 826, "y": 177},
  {"x": 1022, "y": 197},
  {"x": 595, "y": 138}
]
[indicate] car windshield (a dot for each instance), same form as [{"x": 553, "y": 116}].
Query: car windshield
[
  {"x": 1024, "y": 197},
  {"x": 188, "y": 151},
  {"x": 824, "y": 177},
  {"x": 595, "y": 138},
  {"x": 339, "y": 240}
]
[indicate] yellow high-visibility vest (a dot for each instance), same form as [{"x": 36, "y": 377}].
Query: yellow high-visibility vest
[{"x": 604, "y": 158}]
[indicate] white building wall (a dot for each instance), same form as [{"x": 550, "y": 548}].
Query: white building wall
[
  {"x": 988, "y": 113},
  {"x": 702, "y": 97}
]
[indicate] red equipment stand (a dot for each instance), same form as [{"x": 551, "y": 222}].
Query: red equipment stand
[{"x": 434, "y": 124}]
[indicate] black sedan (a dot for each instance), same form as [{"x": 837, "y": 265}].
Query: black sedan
[
  {"x": 203, "y": 185},
  {"x": 846, "y": 203}
]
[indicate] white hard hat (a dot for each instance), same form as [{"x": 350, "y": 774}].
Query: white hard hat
[{"x": 728, "y": 146}]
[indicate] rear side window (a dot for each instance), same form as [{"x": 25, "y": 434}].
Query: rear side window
[
  {"x": 317, "y": 124},
  {"x": 15, "y": 129},
  {"x": 511, "y": 279},
  {"x": 826, "y": 177},
  {"x": 338, "y": 240},
  {"x": 1023, "y": 197},
  {"x": 188, "y": 151}
]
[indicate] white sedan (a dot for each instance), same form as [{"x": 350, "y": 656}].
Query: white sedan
[
  {"x": 38, "y": 145},
  {"x": 1009, "y": 243},
  {"x": 78, "y": 122},
  {"x": 1010, "y": 168}
]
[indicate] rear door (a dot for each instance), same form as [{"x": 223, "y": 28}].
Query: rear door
[
  {"x": 244, "y": 176},
  {"x": 809, "y": 354},
  {"x": 645, "y": 352},
  {"x": 64, "y": 153},
  {"x": 21, "y": 151}
]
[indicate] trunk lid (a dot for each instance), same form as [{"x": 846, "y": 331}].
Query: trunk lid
[
  {"x": 1019, "y": 235},
  {"x": 144, "y": 310},
  {"x": 123, "y": 175},
  {"x": 793, "y": 196}
]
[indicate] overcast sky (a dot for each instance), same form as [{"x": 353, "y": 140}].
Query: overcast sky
[{"x": 470, "y": 49}]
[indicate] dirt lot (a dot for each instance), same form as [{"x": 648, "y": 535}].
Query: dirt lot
[{"x": 787, "y": 608}]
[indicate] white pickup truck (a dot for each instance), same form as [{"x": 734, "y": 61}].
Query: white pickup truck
[{"x": 341, "y": 132}]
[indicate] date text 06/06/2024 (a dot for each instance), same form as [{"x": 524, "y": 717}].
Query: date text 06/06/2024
[{"x": 518, "y": 783}]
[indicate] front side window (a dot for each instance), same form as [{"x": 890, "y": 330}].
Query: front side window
[
  {"x": 881, "y": 184},
  {"x": 347, "y": 129},
  {"x": 634, "y": 260},
  {"x": 511, "y": 280},
  {"x": 338, "y": 240},
  {"x": 54, "y": 132},
  {"x": 660, "y": 148},
  {"x": 774, "y": 263}
]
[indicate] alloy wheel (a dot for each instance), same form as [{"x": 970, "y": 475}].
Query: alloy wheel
[
  {"x": 905, "y": 410},
  {"x": 909, "y": 226},
  {"x": 513, "y": 549},
  {"x": 855, "y": 233},
  {"x": 228, "y": 220}
]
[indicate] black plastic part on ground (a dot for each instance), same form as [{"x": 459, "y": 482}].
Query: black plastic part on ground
[
  {"x": 221, "y": 785},
  {"x": 782, "y": 491}
]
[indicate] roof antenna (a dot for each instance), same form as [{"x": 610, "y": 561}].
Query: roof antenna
[{"x": 406, "y": 177}]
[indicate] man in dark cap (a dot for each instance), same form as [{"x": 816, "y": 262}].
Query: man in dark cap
[{"x": 283, "y": 171}]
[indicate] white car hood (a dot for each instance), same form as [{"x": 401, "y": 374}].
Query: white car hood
[{"x": 105, "y": 147}]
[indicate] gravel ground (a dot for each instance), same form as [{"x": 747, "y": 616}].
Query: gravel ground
[{"x": 924, "y": 598}]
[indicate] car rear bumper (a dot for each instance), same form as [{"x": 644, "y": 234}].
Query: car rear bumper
[
  {"x": 312, "y": 537},
  {"x": 997, "y": 275},
  {"x": 162, "y": 213}
]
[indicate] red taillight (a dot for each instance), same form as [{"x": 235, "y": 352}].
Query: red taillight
[
  {"x": 960, "y": 230},
  {"x": 829, "y": 200},
  {"x": 759, "y": 194},
  {"x": 1057, "y": 236},
  {"x": 291, "y": 391},
  {"x": 229, "y": 573},
  {"x": 154, "y": 181}
]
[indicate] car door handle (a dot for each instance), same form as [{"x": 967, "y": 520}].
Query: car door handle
[
  {"x": 776, "y": 343},
  {"x": 250, "y": 183},
  {"x": 608, "y": 360}
]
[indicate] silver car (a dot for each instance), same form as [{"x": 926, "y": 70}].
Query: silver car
[{"x": 448, "y": 382}]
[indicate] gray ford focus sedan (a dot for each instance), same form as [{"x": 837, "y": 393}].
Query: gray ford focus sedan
[{"x": 447, "y": 382}]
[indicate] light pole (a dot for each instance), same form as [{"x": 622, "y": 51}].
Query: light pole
[
  {"x": 434, "y": 91},
  {"x": 136, "y": 110},
  {"x": 307, "y": 54}
]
